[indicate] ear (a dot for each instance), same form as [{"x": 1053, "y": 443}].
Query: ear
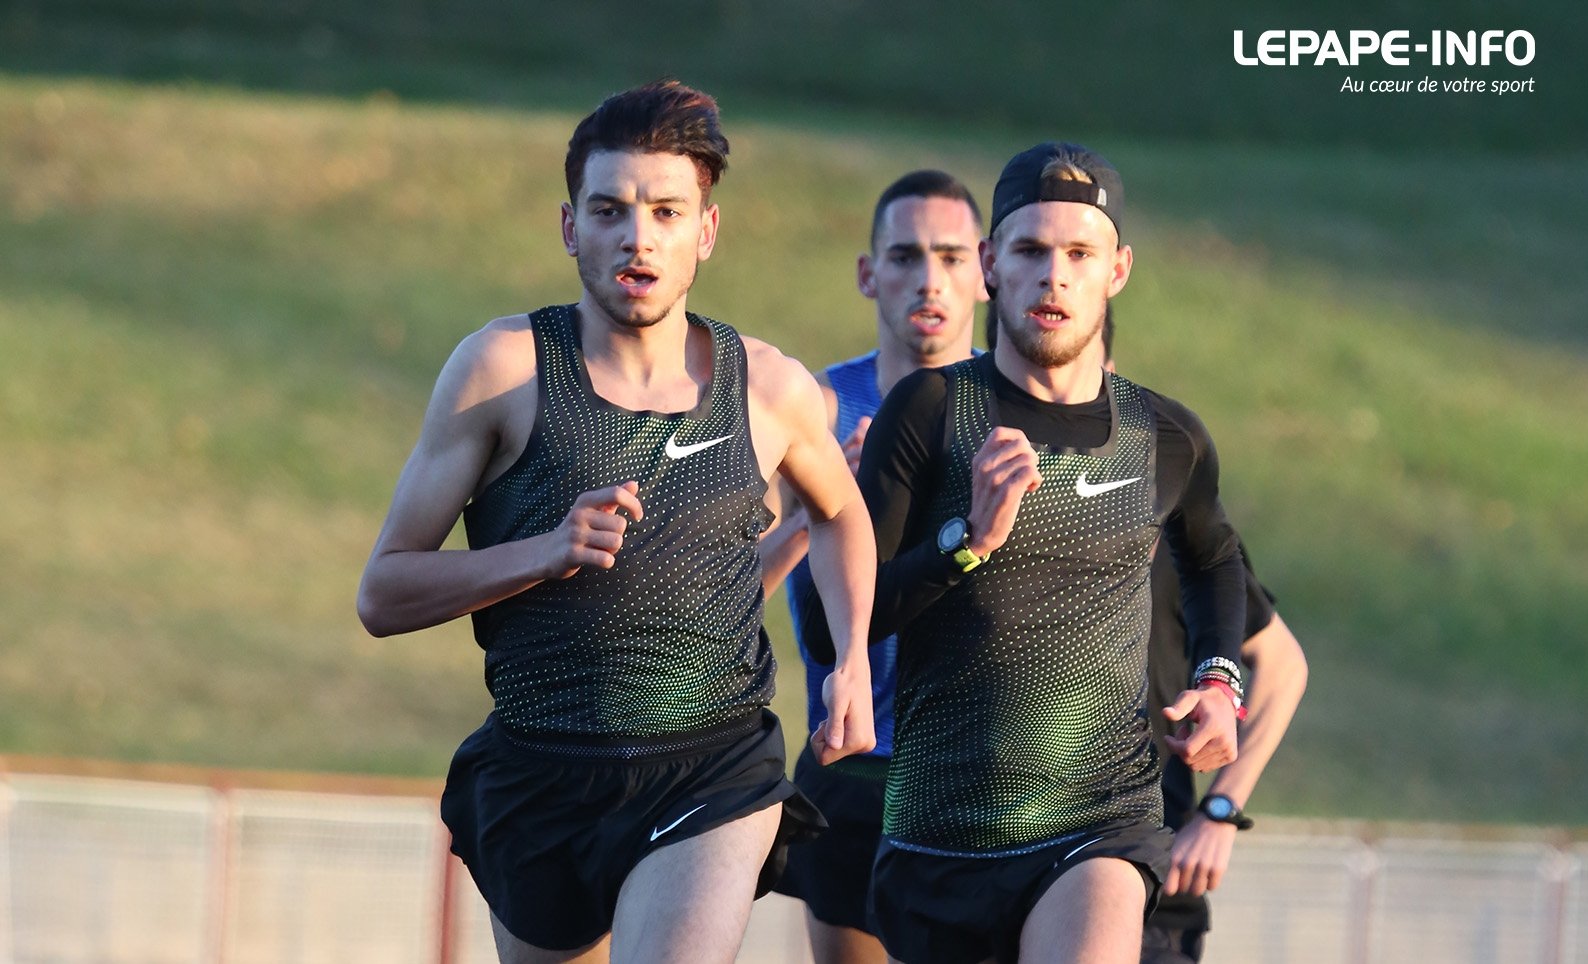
[
  {"x": 866, "y": 276},
  {"x": 1123, "y": 258},
  {"x": 989, "y": 256},
  {"x": 709, "y": 220},
  {"x": 570, "y": 235}
]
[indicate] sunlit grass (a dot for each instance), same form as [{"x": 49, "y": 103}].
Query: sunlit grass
[{"x": 220, "y": 316}]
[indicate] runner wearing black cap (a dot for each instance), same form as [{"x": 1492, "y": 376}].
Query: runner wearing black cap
[{"x": 1018, "y": 500}]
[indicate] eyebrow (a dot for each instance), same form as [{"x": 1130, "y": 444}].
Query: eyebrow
[
  {"x": 911, "y": 247},
  {"x": 596, "y": 197},
  {"x": 1064, "y": 245}
]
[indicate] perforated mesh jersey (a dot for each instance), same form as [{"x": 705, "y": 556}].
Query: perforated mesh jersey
[
  {"x": 669, "y": 640},
  {"x": 1020, "y": 713}
]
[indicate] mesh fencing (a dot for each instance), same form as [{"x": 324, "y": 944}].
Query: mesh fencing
[{"x": 97, "y": 870}]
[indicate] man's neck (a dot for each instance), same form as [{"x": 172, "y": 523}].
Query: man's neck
[
  {"x": 894, "y": 361},
  {"x": 665, "y": 367},
  {"x": 1078, "y": 380},
  {"x": 641, "y": 356}
]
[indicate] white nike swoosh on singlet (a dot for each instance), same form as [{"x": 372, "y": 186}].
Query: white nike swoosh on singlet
[
  {"x": 676, "y": 451},
  {"x": 658, "y": 831},
  {"x": 1086, "y": 489}
]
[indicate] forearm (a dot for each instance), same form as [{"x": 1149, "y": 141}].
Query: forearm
[
  {"x": 843, "y": 558},
  {"x": 1275, "y": 681},
  {"x": 782, "y": 548},
  {"x": 407, "y": 590},
  {"x": 907, "y": 584}
]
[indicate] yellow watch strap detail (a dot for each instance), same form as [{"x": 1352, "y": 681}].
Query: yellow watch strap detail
[{"x": 966, "y": 559}]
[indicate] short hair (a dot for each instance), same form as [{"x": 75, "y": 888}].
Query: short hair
[
  {"x": 662, "y": 117},
  {"x": 923, "y": 184}
]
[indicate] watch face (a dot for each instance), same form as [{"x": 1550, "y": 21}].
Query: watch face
[
  {"x": 951, "y": 536},
  {"x": 1219, "y": 808}
]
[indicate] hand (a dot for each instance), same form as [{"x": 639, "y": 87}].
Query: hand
[
  {"x": 855, "y": 442},
  {"x": 848, "y": 727},
  {"x": 1206, "y": 738},
  {"x": 1201, "y": 855},
  {"x": 1003, "y": 472},
  {"x": 592, "y": 532}
]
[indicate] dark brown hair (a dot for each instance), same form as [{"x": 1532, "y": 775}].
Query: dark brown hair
[
  {"x": 923, "y": 184},
  {"x": 663, "y": 117}
]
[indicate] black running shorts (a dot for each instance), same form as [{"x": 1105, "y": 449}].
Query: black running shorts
[
  {"x": 1176, "y": 930},
  {"x": 832, "y": 874},
  {"x": 932, "y": 909},
  {"x": 550, "y": 836}
]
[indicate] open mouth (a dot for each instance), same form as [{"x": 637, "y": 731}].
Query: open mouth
[
  {"x": 636, "y": 281},
  {"x": 1049, "y": 316},
  {"x": 928, "y": 320}
]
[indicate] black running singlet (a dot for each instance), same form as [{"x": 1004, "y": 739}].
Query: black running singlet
[
  {"x": 669, "y": 640},
  {"x": 1020, "y": 714}
]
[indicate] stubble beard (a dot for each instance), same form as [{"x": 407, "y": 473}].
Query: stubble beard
[
  {"x": 1047, "y": 349},
  {"x": 628, "y": 313}
]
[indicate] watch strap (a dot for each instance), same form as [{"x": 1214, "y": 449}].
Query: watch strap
[{"x": 1235, "y": 817}]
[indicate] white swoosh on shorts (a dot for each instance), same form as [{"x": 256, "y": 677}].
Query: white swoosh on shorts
[
  {"x": 676, "y": 451},
  {"x": 1084, "y": 845},
  {"x": 658, "y": 831},
  {"x": 1086, "y": 489}
]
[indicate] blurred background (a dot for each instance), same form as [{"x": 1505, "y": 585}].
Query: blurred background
[{"x": 238, "y": 238}]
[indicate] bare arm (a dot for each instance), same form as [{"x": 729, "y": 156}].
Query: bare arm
[
  {"x": 1276, "y": 678},
  {"x": 411, "y": 583},
  {"x": 785, "y": 544},
  {"x": 842, "y": 546}
]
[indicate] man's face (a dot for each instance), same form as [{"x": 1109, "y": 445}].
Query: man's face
[
  {"x": 924, "y": 275},
  {"x": 1054, "y": 265},
  {"x": 639, "y": 229}
]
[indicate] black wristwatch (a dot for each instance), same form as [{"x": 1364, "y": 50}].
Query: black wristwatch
[
  {"x": 1221, "y": 809},
  {"x": 953, "y": 540}
]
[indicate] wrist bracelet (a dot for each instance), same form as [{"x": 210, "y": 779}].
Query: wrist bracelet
[
  {"x": 1240, "y": 707},
  {"x": 1218, "y": 664},
  {"x": 1224, "y": 678}
]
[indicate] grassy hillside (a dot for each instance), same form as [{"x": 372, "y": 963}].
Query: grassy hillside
[{"x": 220, "y": 315}]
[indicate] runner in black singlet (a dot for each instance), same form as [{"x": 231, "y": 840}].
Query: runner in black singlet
[
  {"x": 1018, "y": 499},
  {"x": 626, "y": 797}
]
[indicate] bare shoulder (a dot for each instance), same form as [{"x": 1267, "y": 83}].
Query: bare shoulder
[
  {"x": 489, "y": 363},
  {"x": 776, "y": 380}
]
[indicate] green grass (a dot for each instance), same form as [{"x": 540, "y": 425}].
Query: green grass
[{"x": 220, "y": 315}]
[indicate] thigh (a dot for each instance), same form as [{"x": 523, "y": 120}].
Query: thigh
[
  {"x": 1093, "y": 913},
  {"x": 836, "y": 944},
  {"x": 690, "y": 901},
  {"x": 511, "y": 950}
]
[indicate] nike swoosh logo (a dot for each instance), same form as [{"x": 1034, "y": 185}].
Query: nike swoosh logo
[
  {"x": 676, "y": 451},
  {"x": 658, "y": 831},
  {"x": 1086, "y": 489},
  {"x": 1084, "y": 845}
]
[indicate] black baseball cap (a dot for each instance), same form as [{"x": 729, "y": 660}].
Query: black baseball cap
[{"x": 1022, "y": 182}]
